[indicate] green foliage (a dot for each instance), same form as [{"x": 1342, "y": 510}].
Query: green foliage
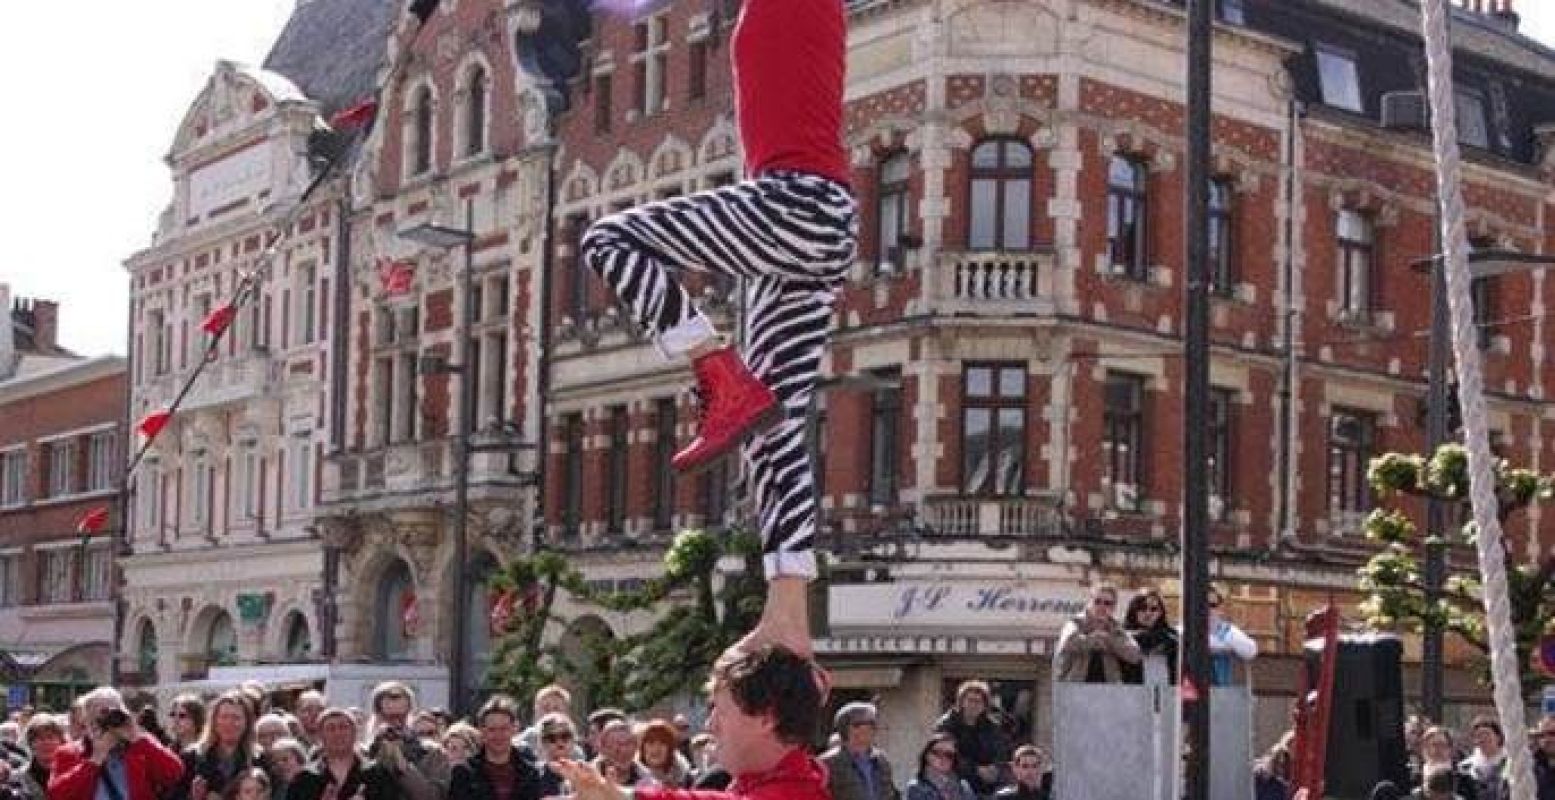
[
  {"x": 1394, "y": 578},
  {"x": 696, "y": 621}
]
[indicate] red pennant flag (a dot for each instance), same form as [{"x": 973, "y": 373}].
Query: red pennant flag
[
  {"x": 1190, "y": 690},
  {"x": 217, "y": 321},
  {"x": 395, "y": 277},
  {"x": 502, "y": 611},
  {"x": 410, "y": 614},
  {"x": 153, "y": 423},
  {"x": 354, "y": 118},
  {"x": 93, "y": 521}
]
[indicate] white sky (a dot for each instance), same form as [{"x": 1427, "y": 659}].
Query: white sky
[{"x": 101, "y": 87}]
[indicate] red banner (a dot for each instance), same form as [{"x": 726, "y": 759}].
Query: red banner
[{"x": 395, "y": 277}]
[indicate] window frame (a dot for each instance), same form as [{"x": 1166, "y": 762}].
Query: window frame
[
  {"x": 1222, "y": 451},
  {"x": 1127, "y": 456},
  {"x": 1341, "y": 96},
  {"x": 1222, "y": 216},
  {"x": 477, "y": 93},
  {"x": 888, "y": 253},
  {"x": 994, "y": 404},
  {"x": 423, "y": 114},
  {"x": 1128, "y": 255},
  {"x": 1001, "y": 175},
  {"x": 1356, "y": 257},
  {"x": 1347, "y": 462},
  {"x": 885, "y": 417}
]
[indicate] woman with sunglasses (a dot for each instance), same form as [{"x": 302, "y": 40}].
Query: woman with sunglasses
[
  {"x": 937, "y": 778},
  {"x": 1146, "y": 621},
  {"x": 186, "y": 719},
  {"x": 1092, "y": 646},
  {"x": 557, "y": 740}
]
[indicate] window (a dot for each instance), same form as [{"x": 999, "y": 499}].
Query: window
[
  {"x": 1221, "y": 280},
  {"x": 156, "y": 329},
  {"x": 1127, "y": 205},
  {"x": 383, "y": 401},
  {"x": 1231, "y": 11},
  {"x": 421, "y": 132},
  {"x": 221, "y": 643},
  {"x": 405, "y": 398},
  {"x": 663, "y": 472},
  {"x": 715, "y": 495},
  {"x": 396, "y": 601},
  {"x": 892, "y": 212},
  {"x": 246, "y": 497},
  {"x": 885, "y": 431},
  {"x": 62, "y": 467},
  {"x": 148, "y": 497},
  {"x": 1482, "y": 291},
  {"x": 96, "y": 572},
  {"x": 475, "y": 113},
  {"x": 1473, "y": 129},
  {"x": 1001, "y": 196},
  {"x": 650, "y": 60},
  {"x": 1220, "y": 462},
  {"x": 602, "y": 109},
  {"x": 200, "y": 480},
  {"x": 572, "y": 475},
  {"x": 10, "y": 579},
  {"x": 494, "y": 391},
  {"x": 1351, "y": 440},
  {"x": 993, "y": 430},
  {"x": 1123, "y": 422},
  {"x": 302, "y": 472},
  {"x": 578, "y": 281},
  {"x": 615, "y": 470},
  {"x": 698, "y": 52},
  {"x": 299, "y": 642},
  {"x": 1338, "y": 80},
  {"x": 13, "y": 477},
  {"x": 99, "y": 475},
  {"x": 55, "y": 578},
  {"x": 1355, "y": 257},
  {"x": 307, "y": 304}
]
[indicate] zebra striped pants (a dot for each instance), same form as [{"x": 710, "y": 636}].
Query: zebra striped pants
[{"x": 792, "y": 237}]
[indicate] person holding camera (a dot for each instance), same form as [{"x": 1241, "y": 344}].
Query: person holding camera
[
  {"x": 116, "y": 759},
  {"x": 1093, "y": 647},
  {"x": 419, "y": 766}
]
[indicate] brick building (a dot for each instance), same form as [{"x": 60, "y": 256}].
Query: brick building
[
  {"x": 60, "y": 445},
  {"x": 225, "y": 565},
  {"x": 1002, "y": 420}
]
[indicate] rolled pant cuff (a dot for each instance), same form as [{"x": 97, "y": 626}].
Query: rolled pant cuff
[
  {"x": 790, "y": 565},
  {"x": 677, "y": 340}
]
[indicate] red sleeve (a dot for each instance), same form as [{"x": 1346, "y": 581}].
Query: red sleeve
[
  {"x": 73, "y": 777},
  {"x": 165, "y": 766},
  {"x": 663, "y": 793}
]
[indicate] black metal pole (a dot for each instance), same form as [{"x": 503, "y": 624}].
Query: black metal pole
[
  {"x": 1195, "y": 533},
  {"x": 1436, "y": 512},
  {"x": 456, "y": 666}
]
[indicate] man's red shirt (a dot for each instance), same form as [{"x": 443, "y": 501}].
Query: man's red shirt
[{"x": 796, "y": 777}]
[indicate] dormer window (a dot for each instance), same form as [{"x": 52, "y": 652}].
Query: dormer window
[
  {"x": 1473, "y": 129},
  {"x": 1338, "y": 78}
]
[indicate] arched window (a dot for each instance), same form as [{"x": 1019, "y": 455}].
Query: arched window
[
  {"x": 299, "y": 641},
  {"x": 475, "y": 112},
  {"x": 421, "y": 136},
  {"x": 221, "y": 644},
  {"x": 1001, "y": 195},
  {"x": 892, "y": 195},
  {"x": 146, "y": 653},
  {"x": 1127, "y": 210},
  {"x": 396, "y": 598}
]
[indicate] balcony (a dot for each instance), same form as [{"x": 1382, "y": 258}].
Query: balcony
[
  {"x": 992, "y": 283},
  {"x": 397, "y": 471},
  {"x": 977, "y": 517},
  {"x": 224, "y": 382}
]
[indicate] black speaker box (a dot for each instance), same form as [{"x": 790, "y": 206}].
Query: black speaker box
[{"x": 1366, "y": 729}]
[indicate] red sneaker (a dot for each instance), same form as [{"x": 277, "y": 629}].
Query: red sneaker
[{"x": 733, "y": 405}]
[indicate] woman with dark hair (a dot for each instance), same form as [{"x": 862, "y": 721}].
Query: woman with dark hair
[
  {"x": 1146, "y": 621},
  {"x": 656, "y": 751},
  {"x": 227, "y": 750},
  {"x": 937, "y": 778},
  {"x": 186, "y": 719}
]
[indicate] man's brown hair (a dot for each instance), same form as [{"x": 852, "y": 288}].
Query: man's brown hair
[{"x": 773, "y": 680}]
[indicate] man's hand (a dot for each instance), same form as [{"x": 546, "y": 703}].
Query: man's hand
[
  {"x": 103, "y": 743},
  {"x": 988, "y": 772},
  {"x": 198, "y": 789},
  {"x": 587, "y": 783}
]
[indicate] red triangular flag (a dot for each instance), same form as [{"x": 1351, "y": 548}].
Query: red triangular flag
[
  {"x": 217, "y": 321},
  {"x": 1190, "y": 690},
  {"x": 355, "y": 117},
  {"x": 153, "y": 423},
  {"x": 93, "y": 521}
]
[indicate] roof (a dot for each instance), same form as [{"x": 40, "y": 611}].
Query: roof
[
  {"x": 279, "y": 87},
  {"x": 332, "y": 49}
]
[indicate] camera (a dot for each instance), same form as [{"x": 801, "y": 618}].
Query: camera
[{"x": 113, "y": 718}]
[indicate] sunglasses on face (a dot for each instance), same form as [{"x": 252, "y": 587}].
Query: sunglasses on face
[
  {"x": 1103, "y": 601},
  {"x": 943, "y": 753},
  {"x": 556, "y": 737},
  {"x": 1151, "y": 609}
]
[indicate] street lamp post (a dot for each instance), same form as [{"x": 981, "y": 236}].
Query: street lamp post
[
  {"x": 1482, "y": 264},
  {"x": 446, "y": 238}
]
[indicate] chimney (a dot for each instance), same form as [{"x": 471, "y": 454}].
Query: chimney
[
  {"x": 45, "y": 325},
  {"x": 1498, "y": 13}
]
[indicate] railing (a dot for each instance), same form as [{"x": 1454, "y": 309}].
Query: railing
[
  {"x": 993, "y": 282},
  {"x": 227, "y": 381},
  {"x": 1028, "y": 517}
]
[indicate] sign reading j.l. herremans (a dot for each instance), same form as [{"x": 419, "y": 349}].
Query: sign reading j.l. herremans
[{"x": 1024, "y": 606}]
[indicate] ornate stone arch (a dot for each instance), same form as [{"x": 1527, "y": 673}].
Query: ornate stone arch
[
  {"x": 722, "y": 141},
  {"x": 463, "y": 80},
  {"x": 581, "y": 183},
  {"x": 625, "y": 171},
  {"x": 277, "y": 633},
  {"x": 671, "y": 156},
  {"x": 212, "y": 620}
]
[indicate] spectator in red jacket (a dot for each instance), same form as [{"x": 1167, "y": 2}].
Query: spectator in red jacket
[
  {"x": 765, "y": 704},
  {"x": 128, "y": 762}
]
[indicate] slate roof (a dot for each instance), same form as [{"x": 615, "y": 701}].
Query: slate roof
[{"x": 332, "y": 49}]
